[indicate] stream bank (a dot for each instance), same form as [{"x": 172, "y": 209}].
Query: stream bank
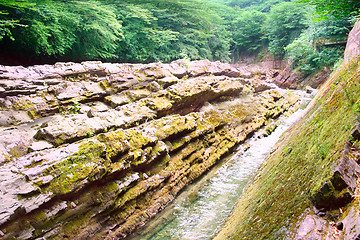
[
  {"x": 95, "y": 150},
  {"x": 199, "y": 211},
  {"x": 308, "y": 187}
]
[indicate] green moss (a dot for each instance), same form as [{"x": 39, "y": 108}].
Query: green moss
[
  {"x": 71, "y": 229},
  {"x": 87, "y": 163},
  {"x": 33, "y": 114},
  {"x": 38, "y": 219},
  {"x": 105, "y": 85},
  {"x": 137, "y": 140},
  {"x": 116, "y": 143},
  {"x": 17, "y": 151},
  {"x": 138, "y": 94},
  {"x": 159, "y": 103},
  {"x": 26, "y": 105},
  {"x": 112, "y": 187},
  {"x": 281, "y": 190},
  {"x": 127, "y": 200},
  {"x": 23, "y": 104},
  {"x": 173, "y": 126}
]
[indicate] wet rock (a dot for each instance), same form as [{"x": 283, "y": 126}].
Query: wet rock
[
  {"x": 61, "y": 129},
  {"x": 292, "y": 79},
  {"x": 155, "y": 71},
  {"x": 309, "y": 90},
  {"x": 321, "y": 212},
  {"x": 167, "y": 81},
  {"x": 262, "y": 87},
  {"x": 117, "y": 100},
  {"x": 93, "y": 106},
  {"x": 352, "y": 46},
  {"x": 178, "y": 68},
  {"x": 8, "y": 118},
  {"x": 14, "y": 142},
  {"x": 356, "y": 133}
]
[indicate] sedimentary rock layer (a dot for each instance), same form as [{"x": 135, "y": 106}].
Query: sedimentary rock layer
[{"x": 94, "y": 150}]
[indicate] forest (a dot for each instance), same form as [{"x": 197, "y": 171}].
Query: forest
[{"x": 311, "y": 33}]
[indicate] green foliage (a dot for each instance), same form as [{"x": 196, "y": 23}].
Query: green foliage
[
  {"x": 299, "y": 52},
  {"x": 258, "y": 5},
  {"x": 128, "y": 31},
  {"x": 152, "y": 30},
  {"x": 142, "y": 38},
  {"x": 6, "y": 24},
  {"x": 248, "y": 34},
  {"x": 331, "y": 28},
  {"x": 339, "y": 9},
  {"x": 77, "y": 29},
  {"x": 308, "y": 53},
  {"x": 99, "y": 30},
  {"x": 167, "y": 30},
  {"x": 284, "y": 23},
  {"x": 75, "y": 107}
]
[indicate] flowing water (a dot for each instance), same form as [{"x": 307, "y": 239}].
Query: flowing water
[{"x": 201, "y": 209}]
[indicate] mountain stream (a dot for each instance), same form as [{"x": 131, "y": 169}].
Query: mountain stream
[{"x": 200, "y": 210}]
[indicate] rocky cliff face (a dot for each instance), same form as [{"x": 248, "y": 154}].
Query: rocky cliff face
[
  {"x": 353, "y": 44},
  {"x": 94, "y": 150},
  {"x": 292, "y": 79}
]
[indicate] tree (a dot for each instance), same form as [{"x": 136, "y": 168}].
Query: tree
[
  {"x": 248, "y": 33},
  {"x": 167, "y": 30},
  {"x": 258, "y": 5},
  {"x": 98, "y": 31},
  {"x": 6, "y": 23},
  {"x": 144, "y": 40},
  {"x": 336, "y": 8},
  {"x": 77, "y": 30},
  {"x": 308, "y": 52},
  {"x": 284, "y": 23}
]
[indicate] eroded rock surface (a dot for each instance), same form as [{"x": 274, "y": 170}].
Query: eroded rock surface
[
  {"x": 94, "y": 150},
  {"x": 292, "y": 79}
]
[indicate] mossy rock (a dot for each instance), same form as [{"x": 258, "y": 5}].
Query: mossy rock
[
  {"x": 116, "y": 143},
  {"x": 72, "y": 174}
]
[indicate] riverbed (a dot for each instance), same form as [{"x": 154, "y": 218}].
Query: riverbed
[{"x": 201, "y": 209}]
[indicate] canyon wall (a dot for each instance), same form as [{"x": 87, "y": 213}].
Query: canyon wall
[{"x": 94, "y": 150}]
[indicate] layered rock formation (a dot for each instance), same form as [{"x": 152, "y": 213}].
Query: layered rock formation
[
  {"x": 94, "y": 150},
  {"x": 292, "y": 79}
]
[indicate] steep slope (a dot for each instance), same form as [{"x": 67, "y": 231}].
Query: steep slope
[{"x": 307, "y": 184}]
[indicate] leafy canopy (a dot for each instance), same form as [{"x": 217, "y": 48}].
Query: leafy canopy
[
  {"x": 43, "y": 31},
  {"x": 285, "y": 22},
  {"x": 129, "y": 30},
  {"x": 335, "y": 8}
]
